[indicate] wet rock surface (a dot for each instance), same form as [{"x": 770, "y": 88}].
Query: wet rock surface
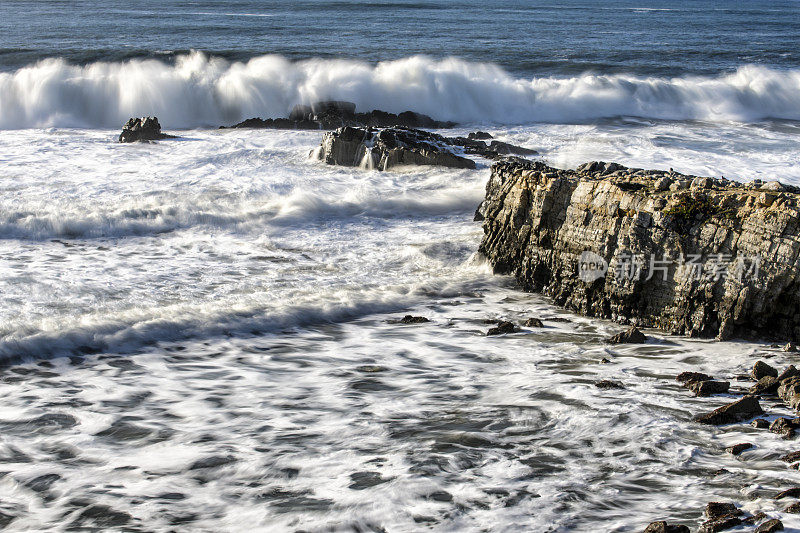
[
  {"x": 627, "y": 244},
  {"x": 631, "y": 336},
  {"x": 383, "y": 149},
  {"x": 664, "y": 527},
  {"x": 142, "y": 129},
  {"x": 737, "y": 411}
]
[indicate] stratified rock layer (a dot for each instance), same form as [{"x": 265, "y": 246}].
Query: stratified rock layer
[{"x": 697, "y": 256}]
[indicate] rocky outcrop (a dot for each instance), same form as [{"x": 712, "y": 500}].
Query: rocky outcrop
[
  {"x": 334, "y": 114},
  {"x": 698, "y": 256},
  {"x": 392, "y": 147},
  {"x": 142, "y": 129}
]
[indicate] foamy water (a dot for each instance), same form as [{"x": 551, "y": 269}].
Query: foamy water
[{"x": 206, "y": 326}]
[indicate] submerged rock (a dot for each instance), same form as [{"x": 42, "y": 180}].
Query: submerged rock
[
  {"x": 737, "y": 411},
  {"x": 608, "y": 384},
  {"x": 737, "y": 449},
  {"x": 534, "y": 323},
  {"x": 329, "y": 115},
  {"x": 604, "y": 241},
  {"x": 688, "y": 377},
  {"x": 770, "y": 526},
  {"x": 410, "y": 319},
  {"x": 142, "y": 129},
  {"x": 631, "y": 336}
]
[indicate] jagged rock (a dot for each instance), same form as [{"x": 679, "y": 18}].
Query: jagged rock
[
  {"x": 503, "y": 328},
  {"x": 737, "y": 449},
  {"x": 716, "y": 510},
  {"x": 608, "y": 384},
  {"x": 603, "y": 242},
  {"x": 708, "y": 388},
  {"x": 688, "y": 377},
  {"x": 790, "y": 347},
  {"x": 631, "y": 336},
  {"x": 330, "y": 115},
  {"x": 142, "y": 129},
  {"x": 410, "y": 319},
  {"x": 760, "y": 423},
  {"x": 793, "y": 508},
  {"x": 664, "y": 527},
  {"x": 388, "y": 148},
  {"x": 480, "y": 136},
  {"x": 789, "y": 372},
  {"x": 534, "y": 323},
  {"x": 720, "y": 524},
  {"x": 770, "y": 526},
  {"x": 765, "y": 385},
  {"x": 762, "y": 369},
  {"x": 784, "y": 426},
  {"x": 737, "y": 411}
]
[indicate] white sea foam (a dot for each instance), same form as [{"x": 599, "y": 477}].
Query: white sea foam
[{"x": 202, "y": 91}]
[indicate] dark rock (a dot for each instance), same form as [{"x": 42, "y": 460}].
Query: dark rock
[
  {"x": 783, "y": 426},
  {"x": 664, "y": 527},
  {"x": 737, "y": 449},
  {"x": 142, "y": 129},
  {"x": 631, "y": 336},
  {"x": 503, "y": 328},
  {"x": 737, "y": 411},
  {"x": 388, "y": 148},
  {"x": 762, "y": 369},
  {"x": 539, "y": 221},
  {"x": 716, "y": 510},
  {"x": 765, "y": 385},
  {"x": 708, "y": 388},
  {"x": 770, "y": 526},
  {"x": 687, "y": 377},
  {"x": 791, "y": 457},
  {"x": 605, "y": 361},
  {"x": 506, "y": 149},
  {"x": 756, "y": 518},
  {"x": 215, "y": 461},
  {"x": 608, "y": 384},
  {"x": 760, "y": 423},
  {"x": 533, "y": 323},
  {"x": 410, "y": 319},
  {"x": 720, "y": 524},
  {"x": 789, "y": 372},
  {"x": 793, "y": 492},
  {"x": 480, "y": 136},
  {"x": 790, "y": 347},
  {"x": 793, "y": 508},
  {"x": 335, "y": 114}
]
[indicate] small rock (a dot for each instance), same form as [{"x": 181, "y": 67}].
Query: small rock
[
  {"x": 737, "y": 411},
  {"x": 503, "y": 328},
  {"x": 410, "y": 319},
  {"x": 789, "y": 372},
  {"x": 664, "y": 527},
  {"x": 533, "y": 323},
  {"x": 774, "y": 186},
  {"x": 608, "y": 384},
  {"x": 708, "y": 388},
  {"x": 793, "y": 508},
  {"x": 793, "y": 492},
  {"x": 762, "y": 369},
  {"x": 480, "y": 136},
  {"x": 760, "y": 423},
  {"x": 783, "y": 426},
  {"x": 758, "y": 517},
  {"x": 702, "y": 183},
  {"x": 790, "y": 347},
  {"x": 142, "y": 129},
  {"x": 604, "y": 361},
  {"x": 770, "y": 526},
  {"x": 721, "y": 524},
  {"x": 686, "y": 377},
  {"x": 737, "y": 449},
  {"x": 663, "y": 184},
  {"x": 716, "y": 510},
  {"x": 632, "y": 336},
  {"x": 791, "y": 457},
  {"x": 506, "y": 149}
]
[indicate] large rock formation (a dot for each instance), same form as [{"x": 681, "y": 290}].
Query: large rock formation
[
  {"x": 142, "y": 129},
  {"x": 697, "y": 256},
  {"x": 333, "y": 114},
  {"x": 392, "y": 147}
]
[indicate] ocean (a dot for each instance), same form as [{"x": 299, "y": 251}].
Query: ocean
[{"x": 201, "y": 334}]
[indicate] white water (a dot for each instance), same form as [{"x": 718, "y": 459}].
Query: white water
[
  {"x": 202, "y": 91},
  {"x": 240, "y": 293}
]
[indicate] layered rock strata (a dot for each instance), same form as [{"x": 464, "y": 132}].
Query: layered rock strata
[{"x": 689, "y": 255}]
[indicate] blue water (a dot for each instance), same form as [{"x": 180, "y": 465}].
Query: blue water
[{"x": 525, "y": 37}]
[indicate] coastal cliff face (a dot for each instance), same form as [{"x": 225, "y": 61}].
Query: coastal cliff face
[{"x": 698, "y": 256}]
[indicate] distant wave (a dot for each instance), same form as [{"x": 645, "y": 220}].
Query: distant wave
[{"x": 201, "y": 91}]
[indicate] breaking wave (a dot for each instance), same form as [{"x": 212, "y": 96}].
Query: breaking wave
[{"x": 202, "y": 91}]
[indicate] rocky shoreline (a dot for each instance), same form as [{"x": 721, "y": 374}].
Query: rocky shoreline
[{"x": 689, "y": 255}]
